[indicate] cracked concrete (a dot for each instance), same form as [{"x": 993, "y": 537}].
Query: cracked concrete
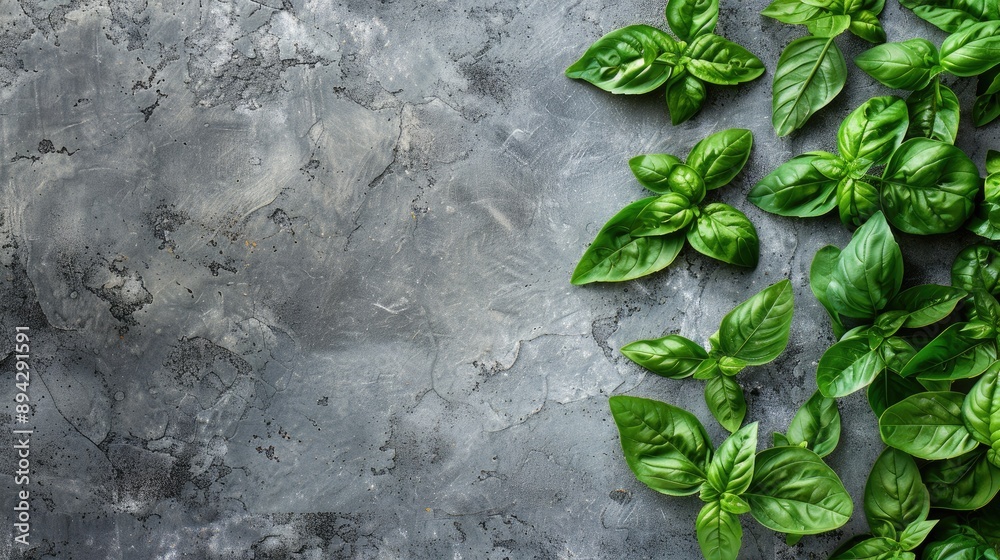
[{"x": 297, "y": 278}]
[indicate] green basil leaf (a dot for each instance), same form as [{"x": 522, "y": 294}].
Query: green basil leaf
[
  {"x": 926, "y": 304},
  {"x": 908, "y": 65},
  {"x": 794, "y": 12},
  {"x": 793, "y": 491},
  {"x": 687, "y": 182},
  {"x": 828, "y": 25},
  {"x": 986, "y": 221},
  {"x": 731, "y": 366},
  {"x": 915, "y": 533},
  {"x": 796, "y": 188},
  {"x": 952, "y": 355},
  {"x": 833, "y": 168},
  {"x": 986, "y": 309},
  {"x": 820, "y": 271},
  {"x": 981, "y": 410},
  {"x": 987, "y": 106},
  {"x": 966, "y": 482},
  {"x": 779, "y": 440},
  {"x": 873, "y": 130},
  {"x": 625, "y": 60},
  {"x": 875, "y": 548},
  {"x": 691, "y": 18},
  {"x": 721, "y": 61},
  {"x": 873, "y": 6},
  {"x": 668, "y": 213},
  {"x": 726, "y": 402},
  {"x": 671, "y": 356},
  {"x": 724, "y": 233},
  {"x": 734, "y": 504},
  {"x": 929, "y": 187},
  {"x": 865, "y": 24},
  {"x": 719, "y": 533},
  {"x": 869, "y": 271},
  {"x": 977, "y": 266},
  {"x": 857, "y": 201},
  {"x": 653, "y": 171},
  {"x": 895, "y": 495},
  {"x": 817, "y": 424},
  {"x": 847, "y": 366},
  {"x": 685, "y": 95},
  {"x": 731, "y": 468},
  {"x": 972, "y": 50},
  {"x": 666, "y": 447},
  {"x": 953, "y": 15},
  {"x": 616, "y": 255},
  {"x": 719, "y": 157},
  {"x": 896, "y": 353},
  {"x": 756, "y": 331},
  {"x": 933, "y": 113},
  {"x": 889, "y": 388},
  {"x": 993, "y": 164},
  {"x": 927, "y": 425},
  {"x": 708, "y": 369},
  {"x": 811, "y": 72},
  {"x": 960, "y": 547}
]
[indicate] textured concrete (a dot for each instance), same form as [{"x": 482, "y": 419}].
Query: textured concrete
[{"x": 297, "y": 277}]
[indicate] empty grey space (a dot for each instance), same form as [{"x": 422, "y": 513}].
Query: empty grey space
[{"x": 297, "y": 278}]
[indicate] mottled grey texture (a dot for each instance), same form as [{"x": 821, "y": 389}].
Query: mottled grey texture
[{"x": 297, "y": 278}]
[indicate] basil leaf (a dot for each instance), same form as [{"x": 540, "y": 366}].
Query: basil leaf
[
  {"x": 708, "y": 369},
  {"x": 811, "y": 72},
  {"x": 961, "y": 547},
  {"x": 933, "y": 113},
  {"x": 952, "y": 355},
  {"x": 927, "y": 425},
  {"x": 731, "y": 468},
  {"x": 726, "y": 402},
  {"x": 721, "y": 61},
  {"x": 895, "y": 495},
  {"x": 835, "y": 168},
  {"x": 616, "y": 255},
  {"x": 929, "y": 187},
  {"x": 794, "y": 12},
  {"x": 875, "y": 548},
  {"x": 889, "y": 388},
  {"x": 817, "y": 424},
  {"x": 973, "y": 50},
  {"x": 926, "y": 304},
  {"x": 908, "y": 65},
  {"x": 671, "y": 356},
  {"x": 865, "y": 24},
  {"x": 719, "y": 533},
  {"x": 653, "y": 170},
  {"x": 724, "y": 233},
  {"x": 857, "y": 201},
  {"x": 987, "y": 106},
  {"x": 668, "y": 213},
  {"x": 981, "y": 411},
  {"x": 977, "y": 266},
  {"x": 896, "y": 353},
  {"x": 685, "y": 95},
  {"x": 793, "y": 491},
  {"x": 873, "y": 130},
  {"x": 626, "y": 60},
  {"x": 869, "y": 271},
  {"x": 828, "y": 25},
  {"x": 756, "y": 331},
  {"x": 666, "y": 447},
  {"x": 966, "y": 482},
  {"x": 719, "y": 157},
  {"x": 796, "y": 188},
  {"x": 691, "y": 18},
  {"x": 847, "y": 366},
  {"x": 915, "y": 534},
  {"x": 953, "y": 15},
  {"x": 820, "y": 271}
]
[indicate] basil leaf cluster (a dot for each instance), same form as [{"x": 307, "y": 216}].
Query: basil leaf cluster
[
  {"x": 927, "y": 186},
  {"x": 640, "y": 58},
  {"x": 755, "y": 332},
  {"x": 787, "y": 489},
  {"x": 647, "y": 235},
  {"x": 811, "y": 70},
  {"x": 971, "y": 49}
]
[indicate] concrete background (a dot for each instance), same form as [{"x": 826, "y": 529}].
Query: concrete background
[{"x": 297, "y": 278}]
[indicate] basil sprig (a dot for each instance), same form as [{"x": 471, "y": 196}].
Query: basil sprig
[
  {"x": 641, "y": 58},
  {"x": 647, "y": 235}
]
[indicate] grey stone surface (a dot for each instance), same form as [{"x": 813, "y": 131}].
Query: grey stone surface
[{"x": 296, "y": 274}]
